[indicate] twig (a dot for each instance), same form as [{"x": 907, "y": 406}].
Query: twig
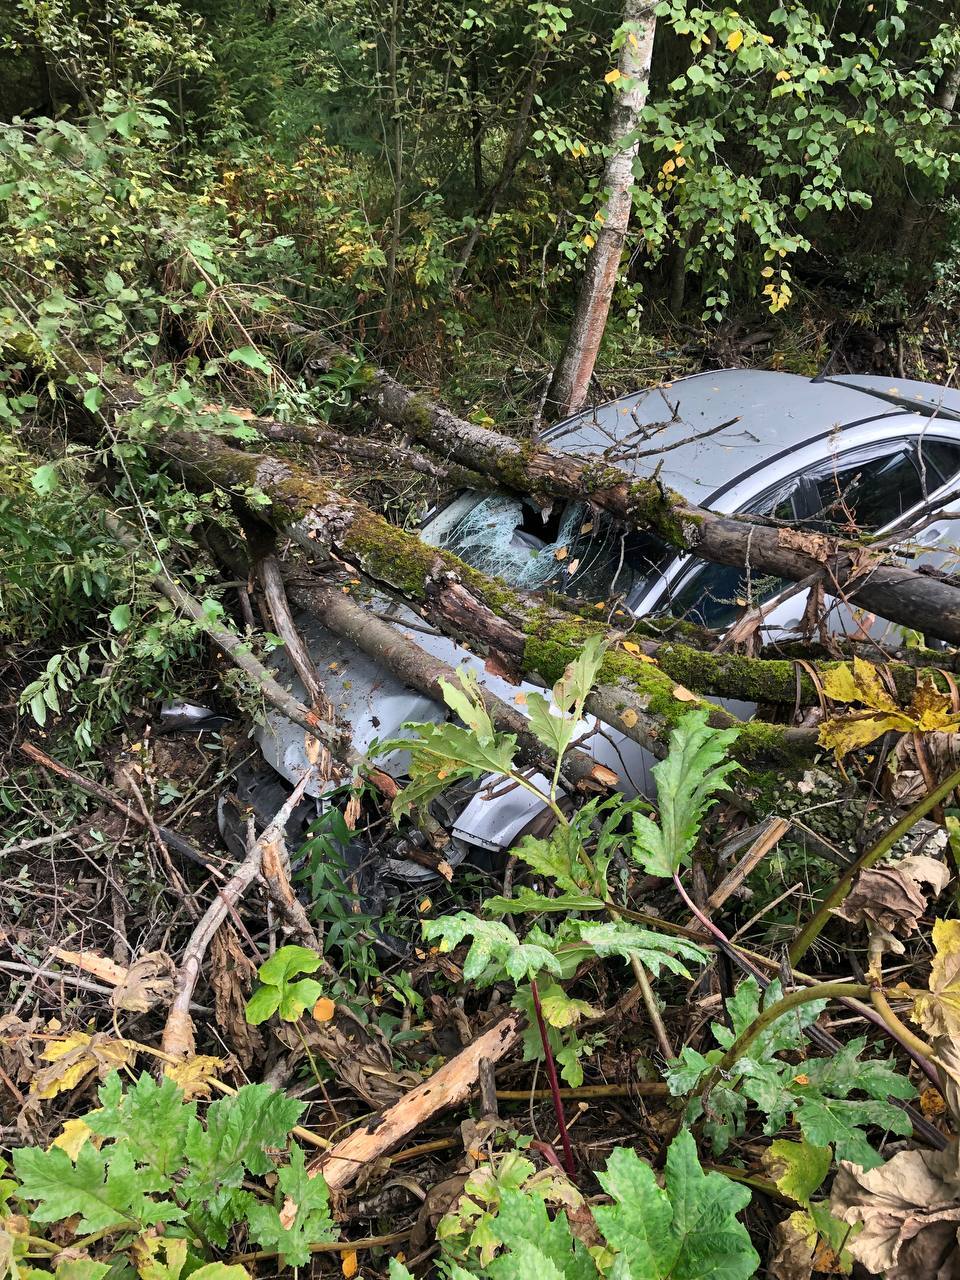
[
  {"x": 170, "y": 838},
  {"x": 178, "y": 1032}
]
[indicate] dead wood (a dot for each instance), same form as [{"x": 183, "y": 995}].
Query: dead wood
[
  {"x": 847, "y": 568},
  {"x": 412, "y": 664},
  {"x": 178, "y": 1039},
  {"x": 450, "y": 1085},
  {"x": 239, "y": 653}
]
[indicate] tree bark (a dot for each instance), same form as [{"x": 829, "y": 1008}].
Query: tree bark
[
  {"x": 849, "y": 569},
  {"x": 571, "y": 380},
  {"x": 524, "y": 636}
]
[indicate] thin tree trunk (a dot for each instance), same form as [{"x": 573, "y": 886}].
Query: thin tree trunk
[
  {"x": 396, "y": 120},
  {"x": 512, "y": 156},
  {"x": 571, "y": 380},
  {"x": 949, "y": 87}
]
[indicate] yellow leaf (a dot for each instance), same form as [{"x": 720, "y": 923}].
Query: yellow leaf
[
  {"x": 612, "y": 76},
  {"x": 561, "y": 553},
  {"x": 520, "y": 699},
  {"x": 72, "y": 1137},
  {"x": 588, "y": 241},
  {"x": 783, "y": 75},
  {"x": 684, "y": 695},
  {"x": 324, "y": 1009},
  {"x": 931, "y": 709},
  {"x": 587, "y": 528},
  {"x": 77, "y": 1056},
  {"x": 348, "y": 1264},
  {"x": 734, "y": 41},
  {"x": 193, "y": 1075},
  {"x": 631, "y": 646},
  {"x": 767, "y": 272},
  {"x": 629, "y": 717},
  {"x": 939, "y": 1012}
]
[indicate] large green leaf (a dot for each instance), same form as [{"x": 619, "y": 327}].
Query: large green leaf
[
  {"x": 695, "y": 769},
  {"x": 150, "y": 1118},
  {"x": 300, "y": 1216},
  {"x": 686, "y": 1230},
  {"x": 495, "y": 951},
  {"x": 105, "y": 1188},
  {"x": 240, "y": 1131}
]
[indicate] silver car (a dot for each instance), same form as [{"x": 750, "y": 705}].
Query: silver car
[{"x": 833, "y": 452}]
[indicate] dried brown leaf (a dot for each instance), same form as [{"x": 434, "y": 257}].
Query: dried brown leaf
[
  {"x": 909, "y": 1209},
  {"x": 232, "y": 974},
  {"x": 147, "y": 983},
  {"x": 892, "y": 898}
]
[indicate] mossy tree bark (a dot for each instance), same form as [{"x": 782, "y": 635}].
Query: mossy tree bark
[{"x": 849, "y": 569}]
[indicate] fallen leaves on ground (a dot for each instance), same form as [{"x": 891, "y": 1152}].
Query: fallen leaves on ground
[
  {"x": 75, "y": 1057},
  {"x": 891, "y": 898},
  {"x": 909, "y": 1211}
]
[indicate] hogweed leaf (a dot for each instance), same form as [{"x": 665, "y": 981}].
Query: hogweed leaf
[
  {"x": 688, "y": 1228},
  {"x": 495, "y": 951},
  {"x": 300, "y": 1218},
  {"x": 239, "y": 1133},
  {"x": 695, "y": 769},
  {"x": 105, "y": 1188}
]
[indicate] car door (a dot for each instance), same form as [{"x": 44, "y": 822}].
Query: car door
[{"x": 871, "y": 488}]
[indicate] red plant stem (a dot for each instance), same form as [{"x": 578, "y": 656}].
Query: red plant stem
[{"x": 554, "y": 1083}]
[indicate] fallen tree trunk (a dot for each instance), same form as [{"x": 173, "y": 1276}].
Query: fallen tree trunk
[
  {"x": 849, "y": 569},
  {"x": 525, "y": 636},
  {"x": 390, "y": 648}
]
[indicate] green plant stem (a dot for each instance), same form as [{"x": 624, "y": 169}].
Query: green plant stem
[
  {"x": 821, "y": 991},
  {"x": 920, "y": 1049},
  {"x": 812, "y": 929},
  {"x": 316, "y": 1071}
]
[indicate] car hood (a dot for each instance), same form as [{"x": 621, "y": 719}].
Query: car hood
[{"x": 376, "y": 706}]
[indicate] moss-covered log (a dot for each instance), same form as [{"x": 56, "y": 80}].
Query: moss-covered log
[
  {"x": 920, "y": 601},
  {"x": 525, "y": 636}
]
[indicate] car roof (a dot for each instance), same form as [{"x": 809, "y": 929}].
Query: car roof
[{"x": 774, "y": 412}]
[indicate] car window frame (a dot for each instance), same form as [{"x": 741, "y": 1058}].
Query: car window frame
[{"x": 682, "y": 567}]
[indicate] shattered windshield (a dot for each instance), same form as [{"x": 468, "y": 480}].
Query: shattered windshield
[{"x": 570, "y": 549}]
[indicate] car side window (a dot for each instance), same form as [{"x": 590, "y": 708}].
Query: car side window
[{"x": 864, "y": 490}]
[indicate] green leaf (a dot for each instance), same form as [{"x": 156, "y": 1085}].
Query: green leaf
[
  {"x": 467, "y": 703},
  {"x": 287, "y": 962},
  {"x": 263, "y": 1004},
  {"x": 104, "y": 1188},
  {"x": 120, "y": 617},
  {"x": 45, "y": 479},
  {"x": 150, "y": 1118},
  {"x": 688, "y": 1229},
  {"x": 307, "y": 1200},
  {"x": 442, "y": 753},
  {"x": 655, "y": 951},
  {"x": 93, "y": 398},
  {"x": 695, "y": 769},
  {"x": 495, "y": 952},
  {"x": 250, "y": 357},
  {"x": 797, "y": 1168},
  {"x": 840, "y": 1122},
  {"x": 240, "y": 1131},
  {"x": 279, "y": 992}
]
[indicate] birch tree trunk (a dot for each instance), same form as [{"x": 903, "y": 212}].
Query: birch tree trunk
[{"x": 571, "y": 379}]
